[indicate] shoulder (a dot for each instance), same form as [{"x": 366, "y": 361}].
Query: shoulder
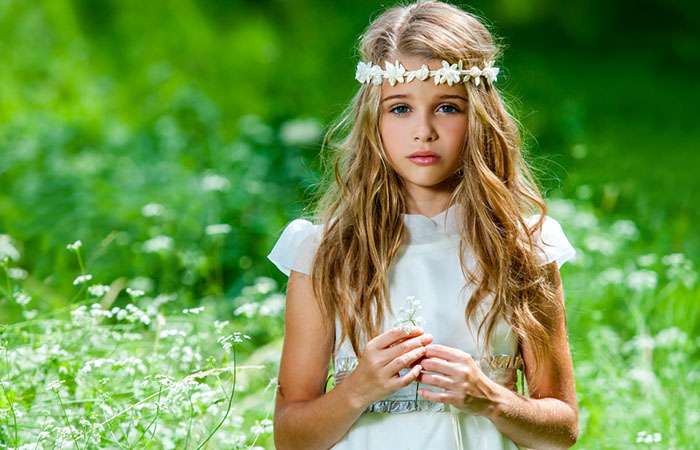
[
  {"x": 549, "y": 239},
  {"x": 296, "y": 246}
]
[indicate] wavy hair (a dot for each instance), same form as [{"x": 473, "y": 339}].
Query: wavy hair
[{"x": 361, "y": 201}]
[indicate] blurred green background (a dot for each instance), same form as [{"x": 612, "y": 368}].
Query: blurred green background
[{"x": 134, "y": 125}]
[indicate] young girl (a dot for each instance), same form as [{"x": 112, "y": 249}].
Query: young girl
[{"x": 432, "y": 203}]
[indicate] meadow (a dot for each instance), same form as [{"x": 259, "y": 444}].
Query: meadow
[{"x": 146, "y": 173}]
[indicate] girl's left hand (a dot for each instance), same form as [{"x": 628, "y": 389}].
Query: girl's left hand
[{"x": 466, "y": 386}]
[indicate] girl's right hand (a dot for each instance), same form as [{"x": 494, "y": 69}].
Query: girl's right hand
[{"x": 376, "y": 375}]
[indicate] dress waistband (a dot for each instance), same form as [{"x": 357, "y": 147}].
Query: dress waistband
[{"x": 500, "y": 368}]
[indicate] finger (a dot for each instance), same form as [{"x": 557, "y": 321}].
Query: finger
[
  {"x": 428, "y": 338},
  {"x": 436, "y": 380},
  {"x": 405, "y": 359},
  {"x": 387, "y": 338},
  {"x": 446, "y": 353},
  {"x": 410, "y": 376},
  {"x": 439, "y": 365},
  {"x": 406, "y": 346},
  {"x": 440, "y": 397}
]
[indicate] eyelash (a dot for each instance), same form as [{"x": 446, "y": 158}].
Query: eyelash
[{"x": 392, "y": 110}]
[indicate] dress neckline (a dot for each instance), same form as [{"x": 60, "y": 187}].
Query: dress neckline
[{"x": 422, "y": 229}]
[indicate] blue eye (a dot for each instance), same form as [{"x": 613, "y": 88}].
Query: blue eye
[
  {"x": 449, "y": 106},
  {"x": 398, "y": 107}
]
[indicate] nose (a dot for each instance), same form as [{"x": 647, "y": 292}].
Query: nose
[{"x": 424, "y": 130}]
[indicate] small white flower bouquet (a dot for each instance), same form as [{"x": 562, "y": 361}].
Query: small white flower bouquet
[{"x": 407, "y": 315}]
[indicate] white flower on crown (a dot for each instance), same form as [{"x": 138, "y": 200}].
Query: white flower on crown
[
  {"x": 394, "y": 73},
  {"x": 448, "y": 73},
  {"x": 377, "y": 74},
  {"x": 422, "y": 74},
  {"x": 473, "y": 73},
  {"x": 368, "y": 72},
  {"x": 489, "y": 72},
  {"x": 363, "y": 72}
]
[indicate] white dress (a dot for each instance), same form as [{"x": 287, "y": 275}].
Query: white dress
[{"x": 427, "y": 267}]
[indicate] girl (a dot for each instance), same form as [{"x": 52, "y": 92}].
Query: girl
[{"x": 431, "y": 201}]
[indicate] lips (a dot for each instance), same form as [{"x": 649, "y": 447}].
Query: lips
[
  {"x": 423, "y": 158},
  {"x": 422, "y": 154}
]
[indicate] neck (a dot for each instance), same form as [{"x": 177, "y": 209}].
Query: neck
[{"x": 428, "y": 204}]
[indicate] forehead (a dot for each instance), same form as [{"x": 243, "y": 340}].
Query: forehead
[{"x": 418, "y": 88}]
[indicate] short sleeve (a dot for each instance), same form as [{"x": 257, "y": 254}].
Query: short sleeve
[
  {"x": 551, "y": 243},
  {"x": 296, "y": 247}
]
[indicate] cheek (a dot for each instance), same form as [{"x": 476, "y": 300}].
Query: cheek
[{"x": 391, "y": 139}]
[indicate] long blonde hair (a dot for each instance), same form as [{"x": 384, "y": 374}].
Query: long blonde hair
[{"x": 362, "y": 203}]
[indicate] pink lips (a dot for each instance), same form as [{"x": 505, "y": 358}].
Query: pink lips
[{"x": 423, "y": 158}]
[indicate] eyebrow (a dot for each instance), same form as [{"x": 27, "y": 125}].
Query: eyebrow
[{"x": 442, "y": 97}]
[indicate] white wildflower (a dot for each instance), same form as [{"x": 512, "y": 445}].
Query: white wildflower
[
  {"x": 98, "y": 290},
  {"x": 611, "y": 276},
  {"x": 99, "y": 362},
  {"x": 135, "y": 293},
  {"x": 221, "y": 228},
  {"x": 7, "y": 249},
  {"x": 236, "y": 337},
  {"x": 167, "y": 333},
  {"x": 193, "y": 310},
  {"x": 584, "y": 219},
  {"x": 272, "y": 306},
  {"x": 158, "y": 243},
  {"x": 82, "y": 279},
  {"x": 674, "y": 259},
  {"x": 671, "y": 337},
  {"x": 262, "y": 286},
  {"x": 247, "y": 309},
  {"x": 214, "y": 182},
  {"x": 152, "y": 209},
  {"x": 647, "y": 260},
  {"x": 134, "y": 314},
  {"x": 79, "y": 316},
  {"x": 261, "y": 426},
  {"x": 220, "y": 324},
  {"x": 600, "y": 244},
  {"x": 301, "y": 131},
  {"x": 648, "y": 438},
  {"x": 641, "y": 280},
  {"x": 407, "y": 315},
  {"x": 17, "y": 273},
  {"x": 625, "y": 229},
  {"x": 164, "y": 380},
  {"x": 22, "y": 298},
  {"x": 54, "y": 385},
  {"x": 75, "y": 245}
]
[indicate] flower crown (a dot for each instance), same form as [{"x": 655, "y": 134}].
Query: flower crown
[{"x": 450, "y": 74}]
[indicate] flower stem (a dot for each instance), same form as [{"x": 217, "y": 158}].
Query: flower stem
[
  {"x": 230, "y": 400},
  {"x": 4, "y": 264},
  {"x": 70, "y": 428},
  {"x": 12, "y": 406},
  {"x": 82, "y": 272}
]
